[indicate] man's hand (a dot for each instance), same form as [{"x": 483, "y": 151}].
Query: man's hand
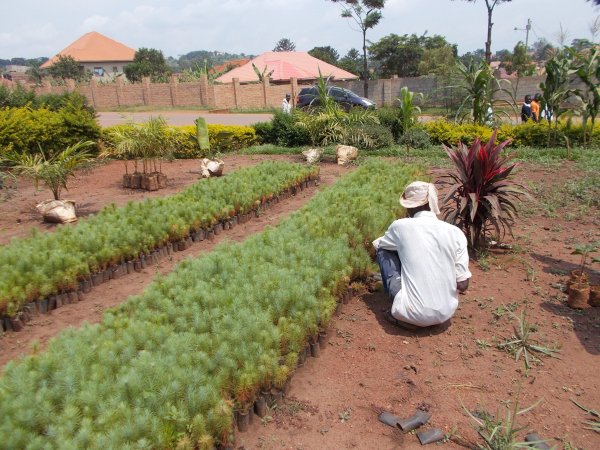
[{"x": 462, "y": 286}]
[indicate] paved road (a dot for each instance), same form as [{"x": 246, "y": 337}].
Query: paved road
[{"x": 181, "y": 117}]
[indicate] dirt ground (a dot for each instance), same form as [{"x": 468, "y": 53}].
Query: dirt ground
[{"x": 370, "y": 365}]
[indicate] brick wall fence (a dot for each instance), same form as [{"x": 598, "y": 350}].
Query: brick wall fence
[{"x": 254, "y": 95}]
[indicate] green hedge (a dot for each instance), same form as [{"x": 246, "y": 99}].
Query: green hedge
[
  {"x": 166, "y": 368},
  {"x": 529, "y": 134},
  {"x": 26, "y": 129},
  {"x": 223, "y": 138},
  {"x": 46, "y": 264}
]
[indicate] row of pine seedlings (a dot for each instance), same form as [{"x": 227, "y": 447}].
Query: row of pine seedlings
[
  {"x": 46, "y": 270},
  {"x": 171, "y": 367}
]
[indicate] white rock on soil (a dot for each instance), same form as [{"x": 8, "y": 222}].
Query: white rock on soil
[
  {"x": 211, "y": 168},
  {"x": 345, "y": 154},
  {"x": 57, "y": 211},
  {"x": 313, "y": 155}
]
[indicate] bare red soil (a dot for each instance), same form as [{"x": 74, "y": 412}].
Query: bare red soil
[{"x": 370, "y": 365}]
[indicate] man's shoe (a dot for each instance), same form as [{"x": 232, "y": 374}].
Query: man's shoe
[{"x": 399, "y": 323}]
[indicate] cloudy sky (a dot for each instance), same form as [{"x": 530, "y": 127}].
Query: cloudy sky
[{"x": 32, "y": 28}]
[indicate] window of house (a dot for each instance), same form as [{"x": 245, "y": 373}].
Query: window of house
[{"x": 98, "y": 71}]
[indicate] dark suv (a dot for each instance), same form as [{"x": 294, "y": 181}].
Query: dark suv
[{"x": 347, "y": 99}]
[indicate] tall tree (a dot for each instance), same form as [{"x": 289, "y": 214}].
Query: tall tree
[
  {"x": 35, "y": 73},
  {"x": 438, "y": 61},
  {"x": 327, "y": 54},
  {"x": 477, "y": 56},
  {"x": 403, "y": 55},
  {"x": 67, "y": 68},
  {"x": 351, "y": 61},
  {"x": 285, "y": 45},
  {"x": 366, "y": 14},
  {"x": 541, "y": 49},
  {"x": 490, "y": 5},
  {"x": 147, "y": 62},
  {"x": 519, "y": 61}
]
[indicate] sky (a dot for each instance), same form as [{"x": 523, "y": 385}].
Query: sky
[{"x": 34, "y": 28}]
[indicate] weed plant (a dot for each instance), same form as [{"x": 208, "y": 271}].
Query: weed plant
[
  {"x": 501, "y": 433},
  {"x": 167, "y": 367},
  {"x": 523, "y": 344}
]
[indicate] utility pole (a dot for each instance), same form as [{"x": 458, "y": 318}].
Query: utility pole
[{"x": 526, "y": 30}]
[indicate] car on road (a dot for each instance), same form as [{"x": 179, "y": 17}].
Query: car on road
[{"x": 309, "y": 96}]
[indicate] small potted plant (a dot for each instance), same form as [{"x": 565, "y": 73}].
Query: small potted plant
[
  {"x": 579, "y": 286},
  {"x": 54, "y": 170}
]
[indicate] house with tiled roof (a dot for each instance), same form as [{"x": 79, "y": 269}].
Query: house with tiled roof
[
  {"x": 283, "y": 66},
  {"x": 101, "y": 55}
]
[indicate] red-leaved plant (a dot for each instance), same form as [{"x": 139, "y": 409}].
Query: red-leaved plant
[{"x": 480, "y": 197}]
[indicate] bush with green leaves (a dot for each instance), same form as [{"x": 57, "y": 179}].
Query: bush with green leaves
[
  {"x": 167, "y": 367},
  {"x": 26, "y": 129},
  {"x": 415, "y": 137},
  {"x": 366, "y": 136},
  {"x": 282, "y": 130},
  {"x": 17, "y": 97},
  {"x": 45, "y": 264},
  {"x": 389, "y": 117},
  {"x": 529, "y": 134}
]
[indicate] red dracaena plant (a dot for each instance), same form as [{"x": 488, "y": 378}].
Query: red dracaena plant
[{"x": 480, "y": 196}]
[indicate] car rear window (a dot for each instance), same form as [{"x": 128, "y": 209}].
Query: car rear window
[{"x": 306, "y": 91}]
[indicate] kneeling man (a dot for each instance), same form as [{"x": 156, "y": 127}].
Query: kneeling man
[{"x": 424, "y": 262}]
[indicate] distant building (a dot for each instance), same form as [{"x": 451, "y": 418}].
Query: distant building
[
  {"x": 283, "y": 66},
  {"x": 15, "y": 68},
  {"x": 102, "y": 56}
]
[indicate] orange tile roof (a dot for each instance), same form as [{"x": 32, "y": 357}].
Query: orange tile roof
[
  {"x": 286, "y": 65},
  {"x": 94, "y": 47}
]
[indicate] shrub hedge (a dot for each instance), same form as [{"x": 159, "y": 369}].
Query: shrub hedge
[
  {"x": 529, "y": 134},
  {"x": 26, "y": 129},
  {"x": 284, "y": 130}
]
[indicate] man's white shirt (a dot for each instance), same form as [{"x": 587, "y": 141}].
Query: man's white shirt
[{"x": 434, "y": 258}]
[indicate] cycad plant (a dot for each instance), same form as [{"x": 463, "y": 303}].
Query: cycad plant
[
  {"x": 52, "y": 170},
  {"x": 480, "y": 196}
]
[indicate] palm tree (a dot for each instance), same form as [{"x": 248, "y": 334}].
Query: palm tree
[{"x": 55, "y": 170}]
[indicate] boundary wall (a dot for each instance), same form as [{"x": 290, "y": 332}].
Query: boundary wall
[{"x": 263, "y": 94}]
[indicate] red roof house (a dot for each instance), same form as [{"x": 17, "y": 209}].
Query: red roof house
[
  {"x": 283, "y": 66},
  {"x": 103, "y": 56}
]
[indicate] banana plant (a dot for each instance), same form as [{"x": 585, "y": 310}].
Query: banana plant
[
  {"x": 409, "y": 112},
  {"x": 202, "y": 134},
  {"x": 262, "y": 74}
]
